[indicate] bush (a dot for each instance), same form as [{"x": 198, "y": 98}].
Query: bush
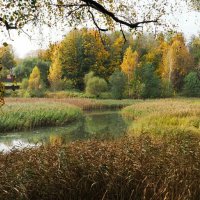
[
  {"x": 118, "y": 84},
  {"x": 192, "y": 85},
  {"x": 95, "y": 86}
]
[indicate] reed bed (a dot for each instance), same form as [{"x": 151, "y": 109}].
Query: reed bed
[
  {"x": 128, "y": 168},
  {"x": 23, "y": 116},
  {"x": 169, "y": 116}
]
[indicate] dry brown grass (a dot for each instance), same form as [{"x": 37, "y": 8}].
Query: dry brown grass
[
  {"x": 128, "y": 168},
  {"x": 84, "y": 103}
]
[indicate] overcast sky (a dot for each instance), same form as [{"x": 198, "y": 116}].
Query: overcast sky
[{"x": 188, "y": 23}]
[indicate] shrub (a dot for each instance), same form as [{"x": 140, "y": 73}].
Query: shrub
[
  {"x": 118, "y": 84},
  {"x": 192, "y": 85},
  {"x": 95, "y": 86}
]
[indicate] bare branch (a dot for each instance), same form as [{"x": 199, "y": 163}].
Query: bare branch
[
  {"x": 94, "y": 21},
  {"x": 122, "y": 31},
  {"x": 95, "y": 5}
]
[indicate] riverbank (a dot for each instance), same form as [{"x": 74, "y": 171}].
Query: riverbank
[
  {"x": 17, "y": 116},
  {"x": 83, "y": 103},
  {"x": 20, "y": 114},
  {"x": 164, "y": 117}
]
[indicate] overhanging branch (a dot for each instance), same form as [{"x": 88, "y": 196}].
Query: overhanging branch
[{"x": 97, "y": 6}]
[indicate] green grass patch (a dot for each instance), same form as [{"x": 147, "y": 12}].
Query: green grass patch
[{"x": 23, "y": 116}]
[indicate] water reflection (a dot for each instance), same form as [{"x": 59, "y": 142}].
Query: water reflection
[{"x": 99, "y": 125}]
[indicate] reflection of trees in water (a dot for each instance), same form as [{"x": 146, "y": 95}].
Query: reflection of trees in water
[
  {"x": 105, "y": 126},
  {"x": 80, "y": 133},
  {"x": 100, "y": 125}
]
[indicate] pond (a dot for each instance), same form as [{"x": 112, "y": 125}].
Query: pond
[{"x": 96, "y": 125}]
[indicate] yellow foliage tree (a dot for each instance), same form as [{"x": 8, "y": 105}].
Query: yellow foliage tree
[
  {"x": 34, "y": 82},
  {"x": 55, "y": 73},
  {"x": 177, "y": 62},
  {"x": 130, "y": 62},
  {"x": 117, "y": 53}
]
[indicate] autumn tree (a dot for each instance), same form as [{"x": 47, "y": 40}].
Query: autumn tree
[
  {"x": 35, "y": 85},
  {"x": 178, "y": 62},
  {"x": 82, "y": 51},
  {"x": 48, "y": 54},
  {"x": 71, "y": 56},
  {"x": 117, "y": 48},
  {"x": 96, "y": 53},
  {"x": 130, "y": 62},
  {"x": 55, "y": 73}
]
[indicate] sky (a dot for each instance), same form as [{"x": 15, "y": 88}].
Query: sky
[{"x": 187, "y": 22}]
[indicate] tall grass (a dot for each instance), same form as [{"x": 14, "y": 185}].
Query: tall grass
[
  {"x": 160, "y": 117},
  {"x": 129, "y": 168},
  {"x": 83, "y": 103},
  {"x": 23, "y": 116}
]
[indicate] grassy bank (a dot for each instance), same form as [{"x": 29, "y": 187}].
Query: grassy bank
[
  {"x": 167, "y": 116},
  {"x": 130, "y": 168},
  {"x": 26, "y": 115}
]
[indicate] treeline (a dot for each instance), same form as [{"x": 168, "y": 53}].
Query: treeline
[{"x": 142, "y": 67}]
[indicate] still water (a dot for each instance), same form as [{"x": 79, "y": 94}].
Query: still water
[{"x": 98, "y": 125}]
